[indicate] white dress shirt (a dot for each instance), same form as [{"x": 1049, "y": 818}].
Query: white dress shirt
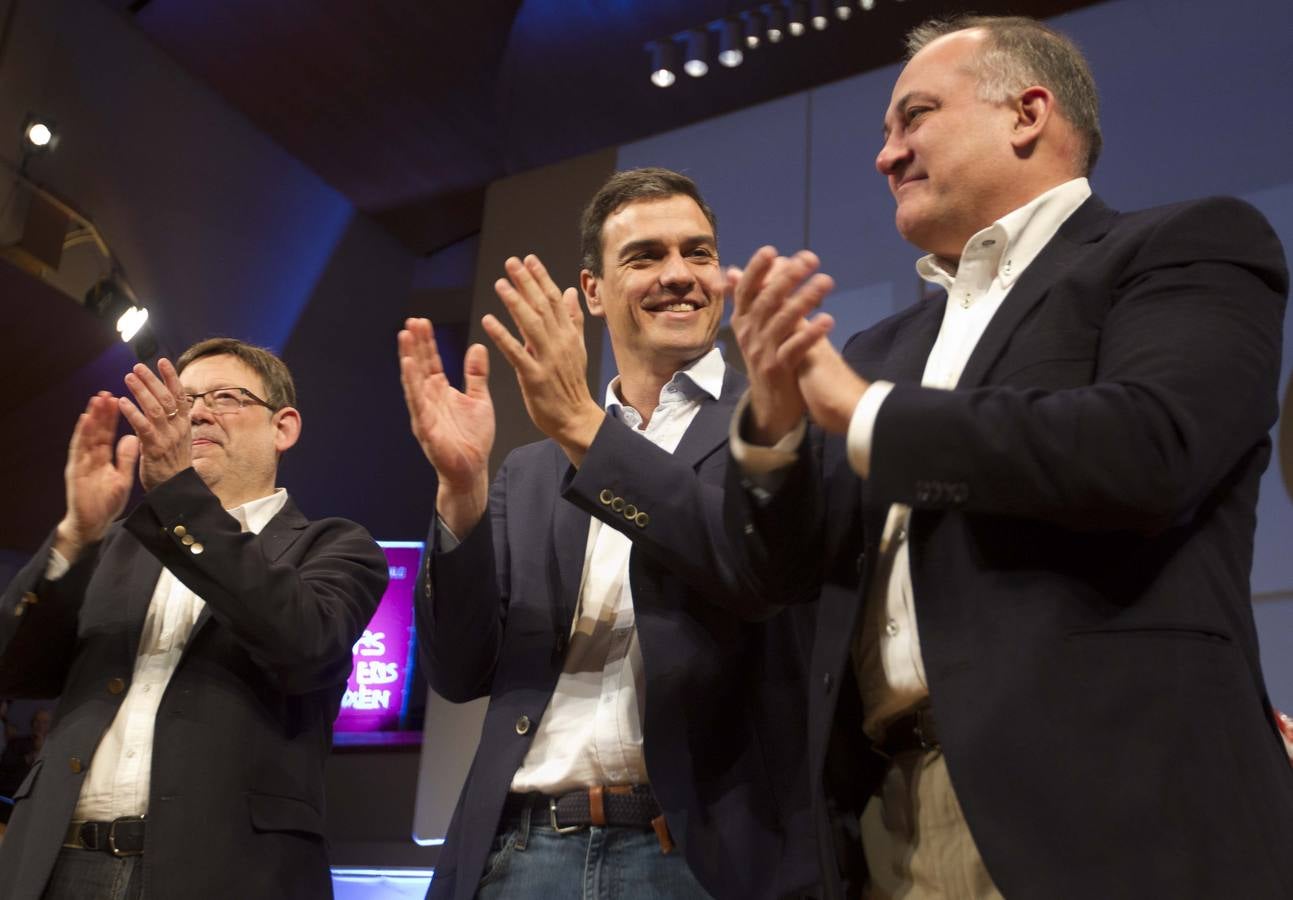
[
  {"x": 591, "y": 732},
  {"x": 886, "y": 656},
  {"x": 886, "y": 651},
  {"x": 117, "y": 782}
]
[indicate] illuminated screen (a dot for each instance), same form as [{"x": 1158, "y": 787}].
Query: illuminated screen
[{"x": 375, "y": 707}]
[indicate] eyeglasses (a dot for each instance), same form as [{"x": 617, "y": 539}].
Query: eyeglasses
[{"x": 226, "y": 400}]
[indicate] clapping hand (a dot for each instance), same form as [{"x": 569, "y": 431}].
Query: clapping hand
[
  {"x": 552, "y": 364},
  {"x": 454, "y": 428},
  {"x": 97, "y": 487}
]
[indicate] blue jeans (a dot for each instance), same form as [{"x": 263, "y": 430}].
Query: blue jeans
[
  {"x": 530, "y": 860},
  {"x": 95, "y": 875}
]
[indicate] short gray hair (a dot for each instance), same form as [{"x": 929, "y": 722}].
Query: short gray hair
[{"x": 1019, "y": 52}]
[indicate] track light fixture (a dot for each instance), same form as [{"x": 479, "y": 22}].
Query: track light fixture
[
  {"x": 776, "y": 23},
  {"x": 730, "y": 41},
  {"x": 797, "y": 18},
  {"x": 819, "y": 18},
  {"x": 39, "y": 135},
  {"x": 112, "y": 300},
  {"x": 697, "y": 63},
  {"x": 740, "y": 32},
  {"x": 664, "y": 63}
]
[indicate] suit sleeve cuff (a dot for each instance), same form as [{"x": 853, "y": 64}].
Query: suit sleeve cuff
[
  {"x": 57, "y": 566},
  {"x": 755, "y": 459},
  {"x": 862, "y": 426}
]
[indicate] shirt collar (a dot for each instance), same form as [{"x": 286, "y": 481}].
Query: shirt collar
[
  {"x": 254, "y": 515},
  {"x": 1012, "y": 242},
  {"x": 702, "y": 375}
]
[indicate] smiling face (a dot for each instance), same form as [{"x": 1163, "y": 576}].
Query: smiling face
[
  {"x": 948, "y": 155},
  {"x": 236, "y": 453},
  {"x": 661, "y": 287}
]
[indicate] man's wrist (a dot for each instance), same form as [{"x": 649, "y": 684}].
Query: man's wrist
[
  {"x": 580, "y": 432},
  {"x": 67, "y": 543}
]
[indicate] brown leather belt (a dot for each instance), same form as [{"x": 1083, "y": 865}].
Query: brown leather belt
[
  {"x": 621, "y": 805},
  {"x": 914, "y": 730},
  {"x": 120, "y": 837}
]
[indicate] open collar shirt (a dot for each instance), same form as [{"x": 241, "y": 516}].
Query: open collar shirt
[
  {"x": 591, "y": 732},
  {"x": 117, "y": 781}
]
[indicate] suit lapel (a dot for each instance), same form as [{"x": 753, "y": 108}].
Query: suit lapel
[
  {"x": 1089, "y": 223},
  {"x": 140, "y": 584},
  {"x": 708, "y": 431},
  {"x": 567, "y": 542}
]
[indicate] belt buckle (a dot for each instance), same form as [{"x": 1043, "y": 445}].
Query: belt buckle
[
  {"x": 112, "y": 837},
  {"x": 552, "y": 817}
]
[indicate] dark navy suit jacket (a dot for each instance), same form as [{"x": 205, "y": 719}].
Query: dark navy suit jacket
[
  {"x": 1080, "y": 547},
  {"x": 724, "y": 718},
  {"x": 245, "y": 724}
]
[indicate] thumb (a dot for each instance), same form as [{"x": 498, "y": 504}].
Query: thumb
[
  {"x": 475, "y": 369},
  {"x": 127, "y": 456},
  {"x": 571, "y": 300}
]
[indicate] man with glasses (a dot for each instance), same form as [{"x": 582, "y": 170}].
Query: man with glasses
[{"x": 200, "y": 645}]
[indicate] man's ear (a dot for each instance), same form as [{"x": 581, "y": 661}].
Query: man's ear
[
  {"x": 591, "y": 285},
  {"x": 1033, "y": 109},
  {"x": 287, "y": 428}
]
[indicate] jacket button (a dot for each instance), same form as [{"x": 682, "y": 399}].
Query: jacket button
[
  {"x": 196, "y": 549},
  {"x": 523, "y": 725},
  {"x": 605, "y": 496},
  {"x": 116, "y": 685},
  {"x": 187, "y": 540},
  {"x": 617, "y": 504},
  {"x": 826, "y": 681},
  {"x": 630, "y": 512},
  {"x": 641, "y": 520},
  {"x": 75, "y": 765},
  {"x": 180, "y": 531}
]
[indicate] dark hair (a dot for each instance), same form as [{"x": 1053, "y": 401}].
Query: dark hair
[
  {"x": 626, "y": 187},
  {"x": 273, "y": 372},
  {"x": 1019, "y": 52}
]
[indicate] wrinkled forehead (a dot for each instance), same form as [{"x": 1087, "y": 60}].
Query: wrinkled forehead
[
  {"x": 944, "y": 64},
  {"x": 220, "y": 370}
]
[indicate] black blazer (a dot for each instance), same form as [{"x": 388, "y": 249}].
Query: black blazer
[
  {"x": 724, "y": 718},
  {"x": 1080, "y": 547},
  {"x": 245, "y": 725}
]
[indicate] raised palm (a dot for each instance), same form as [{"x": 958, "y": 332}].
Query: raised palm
[
  {"x": 97, "y": 486},
  {"x": 454, "y": 428}
]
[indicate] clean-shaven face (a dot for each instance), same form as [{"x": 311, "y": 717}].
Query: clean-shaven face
[
  {"x": 946, "y": 153},
  {"x": 234, "y": 451},
  {"x": 661, "y": 288}
]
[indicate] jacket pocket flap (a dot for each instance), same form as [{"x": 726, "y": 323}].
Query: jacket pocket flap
[{"x": 270, "y": 813}]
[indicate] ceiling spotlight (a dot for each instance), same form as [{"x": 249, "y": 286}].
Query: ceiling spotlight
[
  {"x": 38, "y": 134},
  {"x": 112, "y": 301},
  {"x": 776, "y": 23},
  {"x": 729, "y": 44},
  {"x": 867, "y": 5},
  {"x": 797, "y": 17},
  {"x": 697, "y": 53},
  {"x": 664, "y": 63},
  {"x": 820, "y": 21},
  {"x": 843, "y": 9},
  {"x": 753, "y": 29},
  {"x": 131, "y": 321}
]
